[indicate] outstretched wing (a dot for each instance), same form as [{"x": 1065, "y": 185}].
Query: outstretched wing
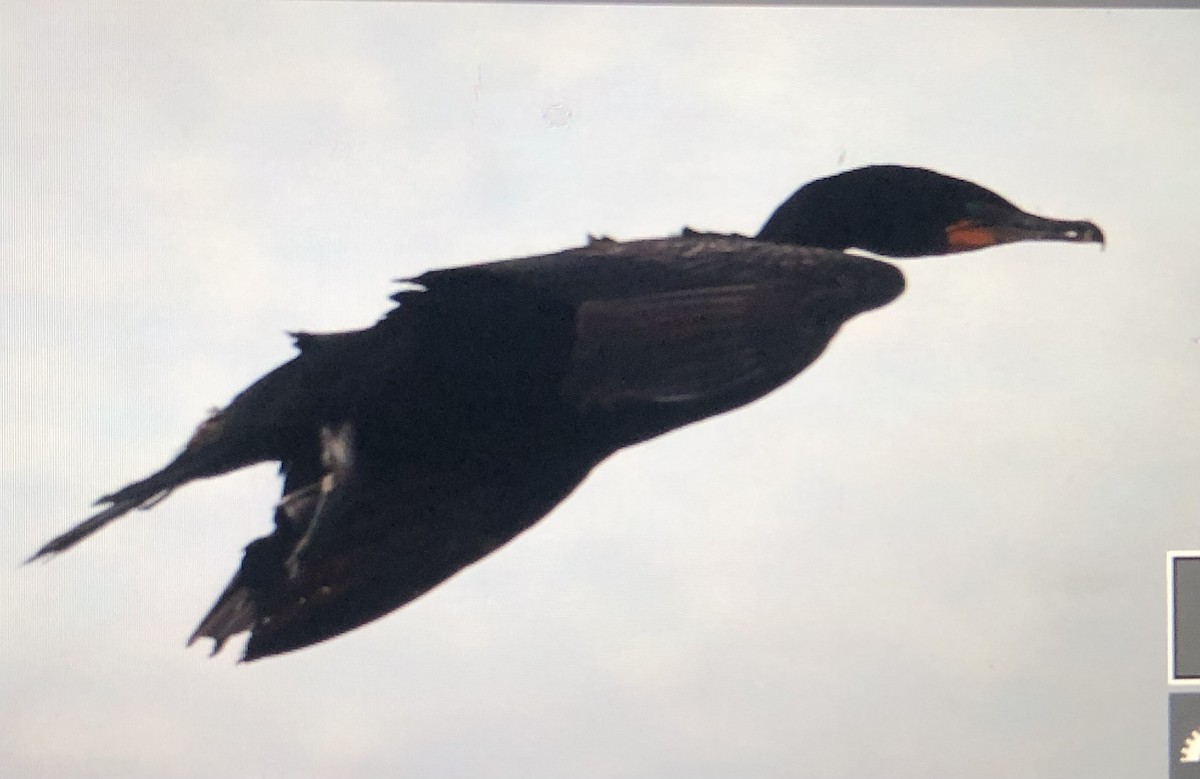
[{"x": 362, "y": 541}]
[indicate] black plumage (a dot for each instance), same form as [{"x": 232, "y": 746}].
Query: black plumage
[{"x": 415, "y": 447}]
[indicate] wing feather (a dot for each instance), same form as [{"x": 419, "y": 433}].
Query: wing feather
[{"x": 666, "y": 348}]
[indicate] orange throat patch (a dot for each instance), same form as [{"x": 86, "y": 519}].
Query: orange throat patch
[{"x": 969, "y": 235}]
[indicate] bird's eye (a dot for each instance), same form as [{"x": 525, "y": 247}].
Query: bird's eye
[{"x": 1072, "y": 233}]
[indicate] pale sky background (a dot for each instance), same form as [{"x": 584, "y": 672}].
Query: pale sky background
[{"x": 939, "y": 553}]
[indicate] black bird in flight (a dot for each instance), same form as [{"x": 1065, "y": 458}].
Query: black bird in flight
[{"x": 415, "y": 447}]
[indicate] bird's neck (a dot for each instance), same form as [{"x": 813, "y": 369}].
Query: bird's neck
[{"x": 802, "y": 222}]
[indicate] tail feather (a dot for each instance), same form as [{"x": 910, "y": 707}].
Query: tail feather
[
  {"x": 92, "y": 524},
  {"x": 207, "y": 455},
  {"x": 229, "y": 439},
  {"x": 199, "y": 459}
]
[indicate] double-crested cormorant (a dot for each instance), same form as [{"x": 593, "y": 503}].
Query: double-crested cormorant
[{"x": 415, "y": 447}]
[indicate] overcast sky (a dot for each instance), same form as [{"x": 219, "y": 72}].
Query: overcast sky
[{"x": 938, "y": 553}]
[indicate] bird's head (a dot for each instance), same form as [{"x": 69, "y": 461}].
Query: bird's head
[{"x": 900, "y": 211}]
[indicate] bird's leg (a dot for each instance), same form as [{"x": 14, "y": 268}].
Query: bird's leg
[
  {"x": 324, "y": 500},
  {"x": 298, "y": 506}
]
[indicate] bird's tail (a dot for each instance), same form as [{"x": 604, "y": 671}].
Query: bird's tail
[
  {"x": 206, "y": 454},
  {"x": 241, "y": 434},
  {"x": 90, "y": 525}
]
